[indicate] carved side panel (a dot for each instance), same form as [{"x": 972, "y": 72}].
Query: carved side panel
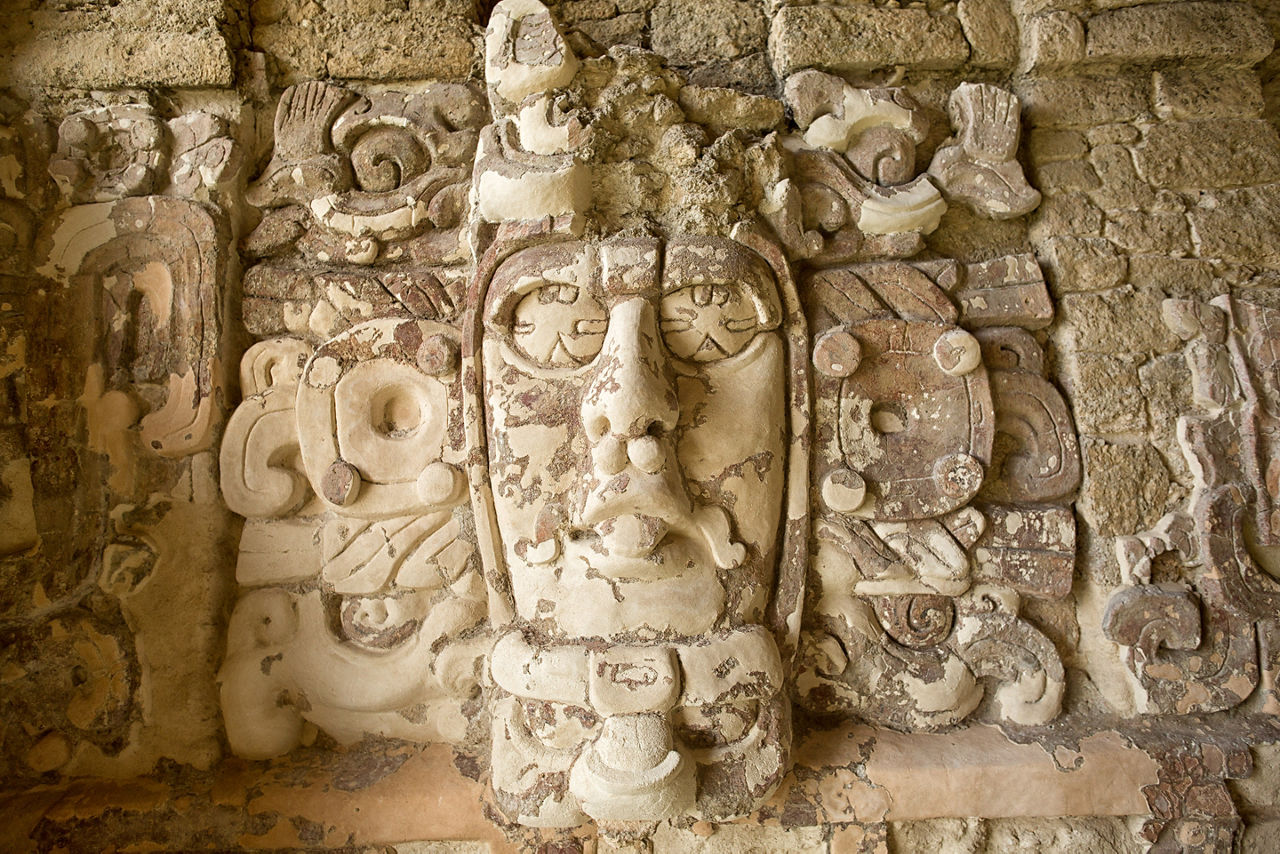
[
  {"x": 124, "y": 395},
  {"x": 943, "y": 456},
  {"x": 361, "y": 602},
  {"x": 1201, "y": 588}
]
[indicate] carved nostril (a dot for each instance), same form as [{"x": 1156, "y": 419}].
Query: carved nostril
[
  {"x": 610, "y": 455},
  {"x": 597, "y": 427},
  {"x": 646, "y": 453}
]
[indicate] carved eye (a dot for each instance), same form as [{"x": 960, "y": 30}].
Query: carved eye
[
  {"x": 559, "y": 326},
  {"x": 704, "y": 323}
]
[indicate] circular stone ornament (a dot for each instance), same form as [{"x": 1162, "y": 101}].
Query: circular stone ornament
[
  {"x": 844, "y": 491},
  {"x": 373, "y": 420},
  {"x": 837, "y": 353}
]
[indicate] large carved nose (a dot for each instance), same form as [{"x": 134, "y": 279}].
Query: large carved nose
[{"x": 630, "y": 406}]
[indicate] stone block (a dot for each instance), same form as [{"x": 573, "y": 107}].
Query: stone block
[
  {"x": 695, "y": 33},
  {"x": 629, "y": 28},
  {"x": 1051, "y": 41},
  {"x": 1046, "y": 146},
  {"x": 1066, "y": 214},
  {"x": 106, "y": 59},
  {"x": 1239, "y": 225},
  {"x": 1184, "y": 278},
  {"x": 1115, "y": 133},
  {"x": 1103, "y": 390},
  {"x": 751, "y": 74},
  {"x": 1123, "y": 320},
  {"x": 1227, "y": 33},
  {"x": 1211, "y": 153},
  {"x": 861, "y": 38},
  {"x": 1125, "y": 488},
  {"x": 1076, "y": 264},
  {"x": 1192, "y": 93},
  {"x": 1083, "y": 101},
  {"x": 992, "y": 32},
  {"x": 1065, "y": 176},
  {"x": 1122, "y": 188},
  {"x": 1149, "y": 231},
  {"x": 367, "y": 40}
]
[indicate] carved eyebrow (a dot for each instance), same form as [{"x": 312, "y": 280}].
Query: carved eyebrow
[
  {"x": 721, "y": 261},
  {"x": 525, "y": 271}
]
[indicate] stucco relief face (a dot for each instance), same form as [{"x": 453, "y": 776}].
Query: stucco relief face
[{"x": 634, "y": 403}]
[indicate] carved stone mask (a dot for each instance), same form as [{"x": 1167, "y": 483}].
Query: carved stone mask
[{"x": 635, "y": 418}]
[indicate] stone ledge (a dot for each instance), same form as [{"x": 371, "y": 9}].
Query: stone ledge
[
  {"x": 383, "y": 792},
  {"x": 861, "y": 38}
]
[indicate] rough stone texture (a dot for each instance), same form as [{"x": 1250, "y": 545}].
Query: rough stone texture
[
  {"x": 1210, "y": 153},
  {"x": 861, "y": 38},
  {"x": 107, "y": 59},
  {"x": 115, "y": 45},
  {"x": 1083, "y": 264},
  {"x": 693, "y": 34},
  {"x": 1182, "y": 93},
  {"x": 1238, "y": 225},
  {"x": 991, "y": 30},
  {"x": 1081, "y": 102},
  {"x": 1105, "y": 388},
  {"x": 1226, "y": 33},
  {"x": 1125, "y": 489},
  {"x": 363, "y": 40},
  {"x": 1102, "y": 322}
]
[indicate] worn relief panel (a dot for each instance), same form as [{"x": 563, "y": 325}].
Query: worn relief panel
[
  {"x": 123, "y": 284},
  {"x": 1197, "y": 615},
  {"x": 587, "y": 435}
]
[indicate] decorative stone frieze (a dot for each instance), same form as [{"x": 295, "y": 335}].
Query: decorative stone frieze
[
  {"x": 605, "y": 426},
  {"x": 1196, "y": 614},
  {"x": 570, "y": 429}
]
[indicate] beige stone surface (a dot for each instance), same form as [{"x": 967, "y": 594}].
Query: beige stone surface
[
  {"x": 1228, "y": 33},
  {"x": 1083, "y": 101},
  {"x": 694, "y": 34},
  {"x": 360, "y": 40},
  {"x": 444, "y": 434},
  {"x": 859, "y": 38},
  {"x": 1125, "y": 490},
  {"x": 106, "y": 59},
  {"x": 1211, "y": 153},
  {"x": 1238, "y": 225}
]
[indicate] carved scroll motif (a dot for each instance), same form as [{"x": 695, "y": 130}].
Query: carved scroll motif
[
  {"x": 364, "y": 202},
  {"x": 1202, "y": 584}
]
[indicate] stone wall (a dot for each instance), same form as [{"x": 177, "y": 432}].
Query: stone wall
[{"x": 167, "y": 206}]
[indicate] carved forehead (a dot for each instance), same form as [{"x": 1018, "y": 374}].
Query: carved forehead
[{"x": 637, "y": 266}]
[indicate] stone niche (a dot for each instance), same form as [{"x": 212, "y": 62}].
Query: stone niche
[{"x": 643, "y": 426}]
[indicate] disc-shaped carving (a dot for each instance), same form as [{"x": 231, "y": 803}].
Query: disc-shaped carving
[
  {"x": 917, "y": 430},
  {"x": 372, "y": 420}
]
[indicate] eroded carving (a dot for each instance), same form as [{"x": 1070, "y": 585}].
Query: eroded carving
[
  {"x": 1201, "y": 584},
  {"x": 613, "y": 423},
  {"x": 980, "y": 167}
]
